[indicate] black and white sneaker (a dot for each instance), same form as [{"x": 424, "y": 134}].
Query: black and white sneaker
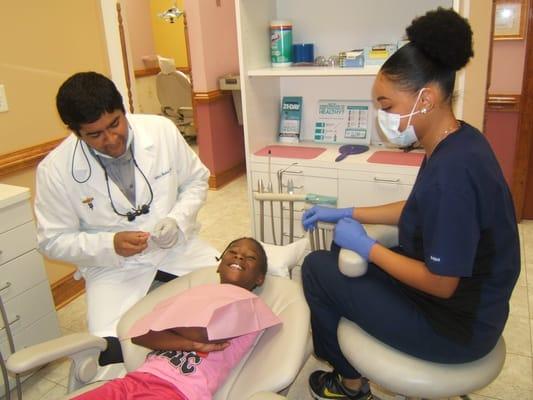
[{"x": 328, "y": 385}]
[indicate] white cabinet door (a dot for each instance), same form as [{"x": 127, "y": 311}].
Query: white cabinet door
[{"x": 374, "y": 190}]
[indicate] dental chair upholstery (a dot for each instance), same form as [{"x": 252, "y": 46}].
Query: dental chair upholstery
[
  {"x": 403, "y": 374},
  {"x": 174, "y": 93},
  {"x": 271, "y": 366}
]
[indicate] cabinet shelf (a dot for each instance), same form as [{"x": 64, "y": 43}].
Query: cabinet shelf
[{"x": 314, "y": 71}]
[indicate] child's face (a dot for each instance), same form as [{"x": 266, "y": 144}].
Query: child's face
[{"x": 240, "y": 265}]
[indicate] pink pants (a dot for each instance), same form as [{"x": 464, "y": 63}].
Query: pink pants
[{"x": 135, "y": 385}]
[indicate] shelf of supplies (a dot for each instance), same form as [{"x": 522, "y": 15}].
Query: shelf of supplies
[{"x": 314, "y": 71}]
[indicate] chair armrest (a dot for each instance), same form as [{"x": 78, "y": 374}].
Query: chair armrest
[
  {"x": 40, "y": 354},
  {"x": 82, "y": 348},
  {"x": 352, "y": 264}
]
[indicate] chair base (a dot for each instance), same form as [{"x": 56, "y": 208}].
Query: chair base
[{"x": 410, "y": 376}]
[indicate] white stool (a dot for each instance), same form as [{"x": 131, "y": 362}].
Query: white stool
[{"x": 413, "y": 377}]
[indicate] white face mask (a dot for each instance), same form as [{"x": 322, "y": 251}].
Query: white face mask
[{"x": 390, "y": 125}]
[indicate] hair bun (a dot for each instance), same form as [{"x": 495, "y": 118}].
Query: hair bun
[{"x": 443, "y": 36}]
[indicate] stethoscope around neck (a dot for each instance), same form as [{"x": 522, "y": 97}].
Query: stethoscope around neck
[{"x": 130, "y": 215}]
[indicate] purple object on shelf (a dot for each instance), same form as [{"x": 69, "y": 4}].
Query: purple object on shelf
[{"x": 349, "y": 149}]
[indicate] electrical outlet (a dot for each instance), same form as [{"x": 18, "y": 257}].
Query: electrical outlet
[{"x": 3, "y": 99}]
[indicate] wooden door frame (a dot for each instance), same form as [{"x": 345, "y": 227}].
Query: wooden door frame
[{"x": 525, "y": 124}]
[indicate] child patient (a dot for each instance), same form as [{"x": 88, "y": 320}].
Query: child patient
[{"x": 184, "y": 364}]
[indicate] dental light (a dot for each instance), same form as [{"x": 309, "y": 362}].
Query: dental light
[{"x": 172, "y": 14}]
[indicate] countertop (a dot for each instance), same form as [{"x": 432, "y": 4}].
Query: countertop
[{"x": 351, "y": 162}]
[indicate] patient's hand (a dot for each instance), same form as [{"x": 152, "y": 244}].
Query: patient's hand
[
  {"x": 181, "y": 339},
  {"x": 200, "y": 342}
]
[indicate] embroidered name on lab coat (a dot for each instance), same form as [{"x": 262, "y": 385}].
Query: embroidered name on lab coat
[{"x": 163, "y": 173}]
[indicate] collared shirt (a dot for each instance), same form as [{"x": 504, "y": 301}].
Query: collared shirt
[{"x": 121, "y": 169}]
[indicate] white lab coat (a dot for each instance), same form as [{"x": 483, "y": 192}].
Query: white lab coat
[{"x": 69, "y": 229}]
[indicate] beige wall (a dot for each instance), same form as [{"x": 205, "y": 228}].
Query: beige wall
[
  {"x": 476, "y": 72},
  {"x": 42, "y": 43},
  {"x": 140, "y": 32}
]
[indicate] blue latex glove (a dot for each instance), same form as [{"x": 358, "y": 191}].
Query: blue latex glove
[
  {"x": 350, "y": 234},
  {"x": 324, "y": 214}
]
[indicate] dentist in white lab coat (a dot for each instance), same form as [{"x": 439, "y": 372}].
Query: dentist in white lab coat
[{"x": 119, "y": 198}]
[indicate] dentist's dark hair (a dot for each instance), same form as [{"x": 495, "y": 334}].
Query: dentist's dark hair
[
  {"x": 440, "y": 43},
  {"x": 263, "y": 262},
  {"x": 84, "y": 97}
]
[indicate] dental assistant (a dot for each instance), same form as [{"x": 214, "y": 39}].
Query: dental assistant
[
  {"x": 443, "y": 294},
  {"x": 119, "y": 198}
]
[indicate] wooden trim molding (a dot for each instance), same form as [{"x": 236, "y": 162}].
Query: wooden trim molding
[
  {"x": 503, "y": 102},
  {"x": 66, "y": 290},
  {"x": 124, "y": 56},
  {"x": 219, "y": 180},
  {"x": 524, "y": 144},
  {"x": 141, "y": 73},
  {"x": 209, "y": 97},
  {"x": 26, "y": 158}
]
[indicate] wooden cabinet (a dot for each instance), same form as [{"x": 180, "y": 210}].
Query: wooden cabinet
[{"x": 24, "y": 287}]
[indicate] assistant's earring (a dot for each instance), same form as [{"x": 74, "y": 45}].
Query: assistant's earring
[{"x": 424, "y": 111}]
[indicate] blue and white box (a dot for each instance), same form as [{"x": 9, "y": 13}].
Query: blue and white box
[{"x": 290, "y": 119}]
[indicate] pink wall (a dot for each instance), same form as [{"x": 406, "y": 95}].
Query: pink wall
[
  {"x": 501, "y": 132},
  {"x": 137, "y": 15},
  {"x": 213, "y": 49},
  {"x": 507, "y": 66},
  {"x": 212, "y": 41},
  {"x": 224, "y": 148},
  {"x": 501, "y": 128}
]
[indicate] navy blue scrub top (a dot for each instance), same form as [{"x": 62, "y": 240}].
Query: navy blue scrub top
[{"x": 459, "y": 219}]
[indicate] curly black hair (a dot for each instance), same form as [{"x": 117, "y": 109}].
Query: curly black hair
[
  {"x": 440, "y": 43},
  {"x": 84, "y": 97}
]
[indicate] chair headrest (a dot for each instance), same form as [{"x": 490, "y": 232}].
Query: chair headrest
[{"x": 166, "y": 65}]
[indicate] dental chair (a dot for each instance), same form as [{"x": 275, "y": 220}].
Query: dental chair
[
  {"x": 270, "y": 367},
  {"x": 174, "y": 93},
  {"x": 404, "y": 375}
]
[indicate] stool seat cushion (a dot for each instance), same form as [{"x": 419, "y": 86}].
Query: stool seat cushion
[{"x": 410, "y": 376}]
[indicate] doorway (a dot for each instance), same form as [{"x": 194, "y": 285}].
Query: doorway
[
  {"x": 159, "y": 28},
  {"x": 509, "y": 107}
]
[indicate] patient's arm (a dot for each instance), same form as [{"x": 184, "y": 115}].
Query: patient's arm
[
  {"x": 387, "y": 214},
  {"x": 186, "y": 339}
]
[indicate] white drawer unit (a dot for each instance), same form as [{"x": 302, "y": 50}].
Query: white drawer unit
[
  {"x": 24, "y": 288},
  {"x": 355, "y": 181},
  {"x": 362, "y": 188}
]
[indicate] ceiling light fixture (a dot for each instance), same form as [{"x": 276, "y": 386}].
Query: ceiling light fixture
[{"x": 172, "y": 14}]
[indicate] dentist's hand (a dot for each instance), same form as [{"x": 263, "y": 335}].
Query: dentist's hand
[
  {"x": 325, "y": 214},
  {"x": 166, "y": 233},
  {"x": 129, "y": 243},
  {"x": 350, "y": 234}
]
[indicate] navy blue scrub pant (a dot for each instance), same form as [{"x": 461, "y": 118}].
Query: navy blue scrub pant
[{"x": 377, "y": 304}]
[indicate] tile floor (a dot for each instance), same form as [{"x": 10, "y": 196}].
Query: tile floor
[{"x": 226, "y": 216}]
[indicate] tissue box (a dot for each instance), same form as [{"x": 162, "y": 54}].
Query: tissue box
[
  {"x": 352, "y": 58},
  {"x": 378, "y": 54}
]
